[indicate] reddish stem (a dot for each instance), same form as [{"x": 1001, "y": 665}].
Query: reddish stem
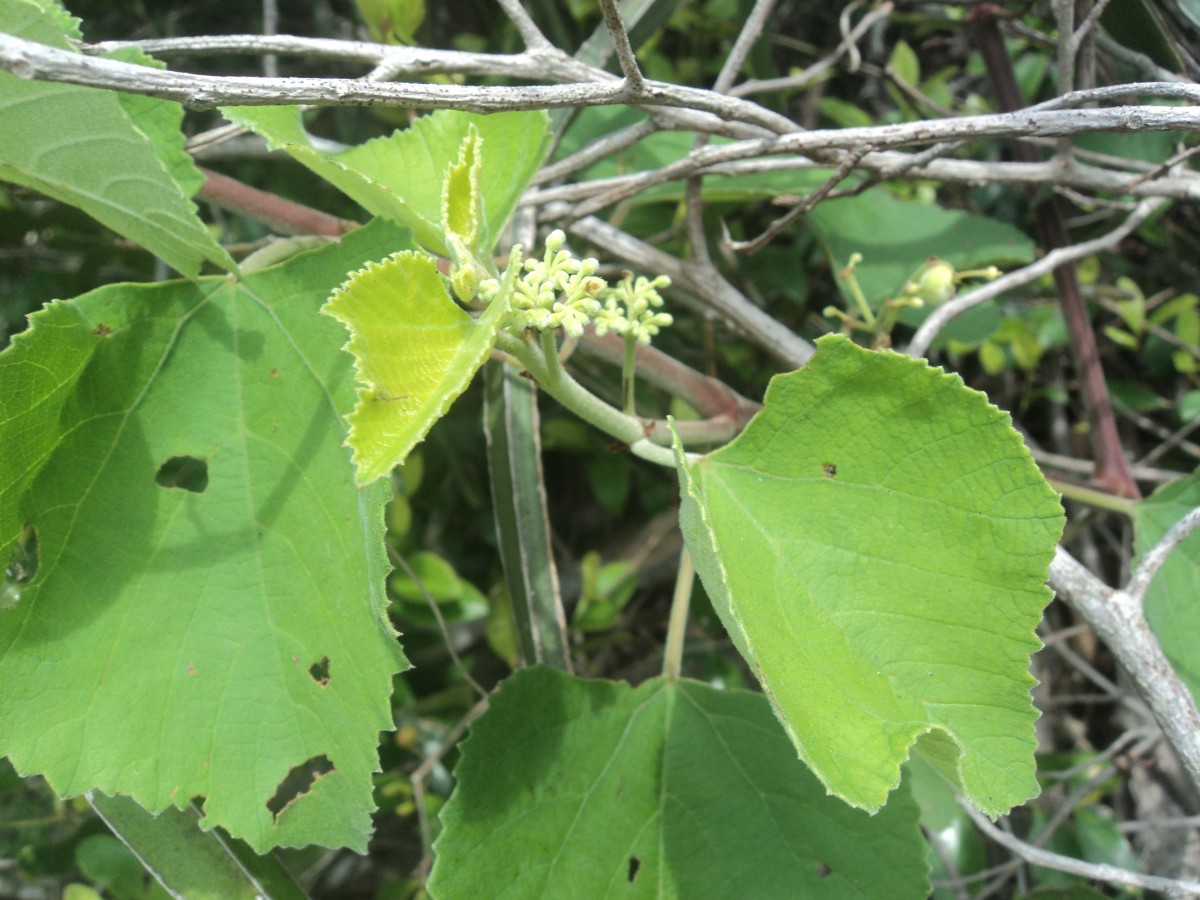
[
  {"x": 1112, "y": 470},
  {"x": 282, "y": 215}
]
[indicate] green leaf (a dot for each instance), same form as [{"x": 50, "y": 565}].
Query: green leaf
[
  {"x": 194, "y": 864},
  {"x": 876, "y": 543},
  {"x": 79, "y": 146},
  {"x": 1171, "y": 607},
  {"x": 895, "y": 237},
  {"x": 415, "y": 350},
  {"x": 672, "y": 789},
  {"x": 433, "y": 573},
  {"x": 109, "y": 863},
  {"x": 393, "y": 21},
  {"x": 202, "y": 548},
  {"x": 162, "y": 122},
  {"x": 401, "y": 176},
  {"x": 905, "y": 65}
]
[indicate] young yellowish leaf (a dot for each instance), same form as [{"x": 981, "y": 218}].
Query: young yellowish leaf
[
  {"x": 462, "y": 199},
  {"x": 415, "y": 350}
]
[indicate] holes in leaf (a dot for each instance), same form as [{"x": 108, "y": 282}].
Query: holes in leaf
[
  {"x": 634, "y": 865},
  {"x": 830, "y": 470},
  {"x": 185, "y": 472},
  {"x": 320, "y": 671},
  {"x": 21, "y": 569},
  {"x": 297, "y": 783},
  {"x": 823, "y": 871}
]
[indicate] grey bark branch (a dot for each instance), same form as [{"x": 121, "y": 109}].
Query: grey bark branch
[
  {"x": 28, "y": 59},
  {"x": 1152, "y": 561},
  {"x": 1117, "y": 617}
]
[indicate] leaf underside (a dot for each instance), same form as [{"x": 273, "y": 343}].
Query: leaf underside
[
  {"x": 876, "y": 543},
  {"x": 571, "y": 788},
  {"x": 201, "y": 548},
  {"x": 80, "y": 146}
]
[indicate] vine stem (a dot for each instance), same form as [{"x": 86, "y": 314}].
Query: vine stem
[
  {"x": 1093, "y": 497},
  {"x": 677, "y": 626},
  {"x": 542, "y": 363},
  {"x": 628, "y": 374}
]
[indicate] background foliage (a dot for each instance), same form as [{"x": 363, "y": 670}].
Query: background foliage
[{"x": 1102, "y": 767}]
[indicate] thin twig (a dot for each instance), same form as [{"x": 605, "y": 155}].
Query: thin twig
[
  {"x": 270, "y": 62},
  {"x": 595, "y": 151},
  {"x": 796, "y": 82},
  {"x": 845, "y": 167},
  {"x": 752, "y": 30},
  {"x": 283, "y": 215},
  {"x": 625, "y": 55},
  {"x": 526, "y": 27},
  {"x": 1096, "y": 871},
  {"x": 1118, "y": 619},
  {"x": 421, "y": 773},
  {"x": 1086, "y": 467},
  {"x": 1153, "y": 559},
  {"x": 919, "y": 345},
  {"x": 1165, "y": 166},
  {"x": 399, "y": 560}
]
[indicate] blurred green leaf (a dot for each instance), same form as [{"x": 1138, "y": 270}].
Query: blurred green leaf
[
  {"x": 432, "y": 572},
  {"x": 904, "y": 64},
  {"x": 392, "y": 21}
]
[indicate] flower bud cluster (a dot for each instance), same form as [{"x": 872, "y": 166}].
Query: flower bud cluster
[
  {"x": 560, "y": 291},
  {"x": 630, "y": 308},
  {"x": 556, "y": 291}
]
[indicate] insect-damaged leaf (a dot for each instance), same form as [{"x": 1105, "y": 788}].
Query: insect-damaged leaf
[{"x": 207, "y": 613}]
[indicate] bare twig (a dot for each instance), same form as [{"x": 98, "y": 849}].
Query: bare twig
[
  {"x": 526, "y": 27},
  {"x": 1085, "y": 467},
  {"x": 845, "y": 167},
  {"x": 399, "y": 560},
  {"x": 1096, "y": 871},
  {"x": 1154, "y": 558},
  {"x": 421, "y": 774},
  {"x": 1117, "y": 617},
  {"x": 848, "y": 44},
  {"x": 919, "y": 345},
  {"x": 284, "y": 216},
  {"x": 751, "y": 31},
  {"x": 607, "y": 145},
  {"x": 625, "y": 56}
]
